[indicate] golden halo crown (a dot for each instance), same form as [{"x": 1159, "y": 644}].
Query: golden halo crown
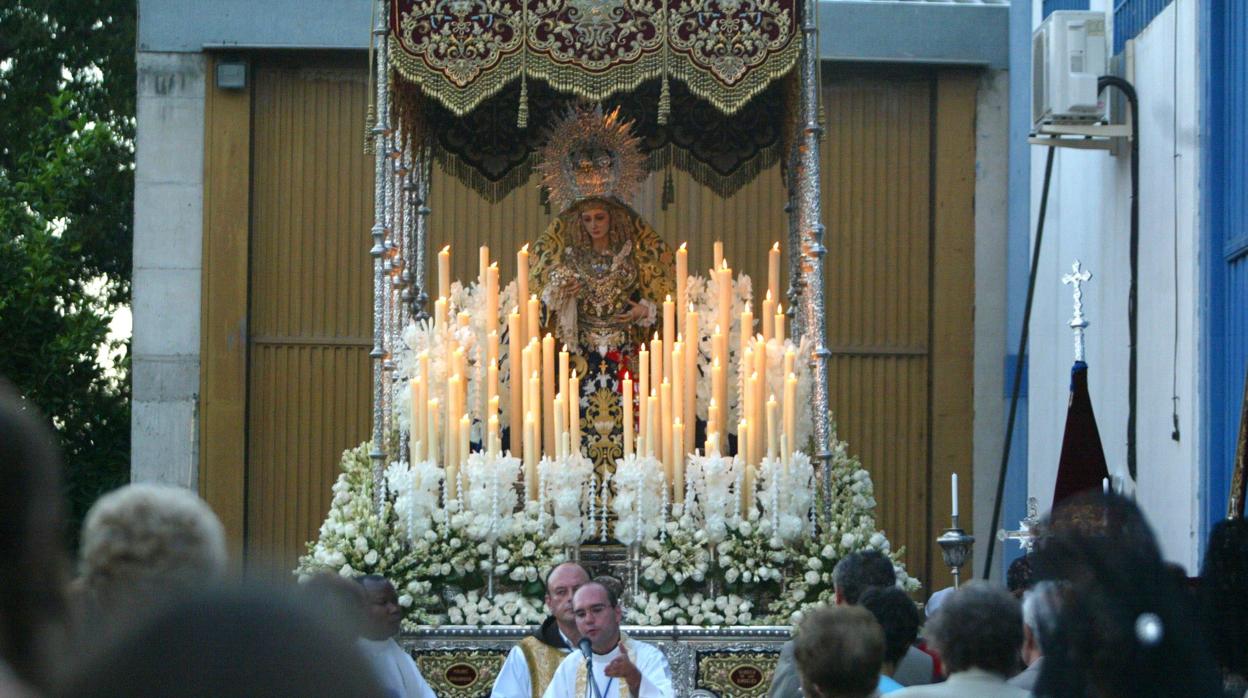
[{"x": 591, "y": 154}]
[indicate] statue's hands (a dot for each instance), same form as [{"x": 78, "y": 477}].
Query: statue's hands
[{"x": 636, "y": 311}]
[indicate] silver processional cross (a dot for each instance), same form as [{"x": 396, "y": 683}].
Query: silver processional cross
[{"x": 1078, "y": 323}]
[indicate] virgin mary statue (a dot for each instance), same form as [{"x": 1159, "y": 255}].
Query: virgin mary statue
[{"x": 599, "y": 269}]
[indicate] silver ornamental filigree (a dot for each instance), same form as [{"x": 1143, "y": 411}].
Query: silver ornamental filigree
[{"x": 1078, "y": 322}]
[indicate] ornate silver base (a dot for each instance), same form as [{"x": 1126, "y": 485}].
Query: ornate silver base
[{"x": 462, "y": 661}]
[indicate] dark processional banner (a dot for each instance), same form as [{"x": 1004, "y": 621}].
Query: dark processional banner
[{"x": 698, "y": 78}]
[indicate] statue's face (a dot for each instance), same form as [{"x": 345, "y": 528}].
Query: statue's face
[{"x": 596, "y": 222}]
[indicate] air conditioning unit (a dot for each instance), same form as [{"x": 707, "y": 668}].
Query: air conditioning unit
[{"x": 1068, "y": 53}]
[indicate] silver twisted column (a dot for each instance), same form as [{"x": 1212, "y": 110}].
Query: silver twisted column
[
  {"x": 810, "y": 226},
  {"x": 381, "y": 150}
]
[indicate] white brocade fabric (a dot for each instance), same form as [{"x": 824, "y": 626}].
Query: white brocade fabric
[
  {"x": 656, "y": 674},
  {"x": 395, "y": 669}
]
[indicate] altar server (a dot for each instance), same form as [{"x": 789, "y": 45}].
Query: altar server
[
  {"x": 619, "y": 666},
  {"x": 531, "y": 664},
  {"x": 394, "y": 668}
]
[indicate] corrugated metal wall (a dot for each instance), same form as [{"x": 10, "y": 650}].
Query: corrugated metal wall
[
  {"x": 876, "y": 188},
  {"x": 310, "y": 301}
]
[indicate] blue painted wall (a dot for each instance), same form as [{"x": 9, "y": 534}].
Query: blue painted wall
[
  {"x": 1131, "y": 16},
  {"x": 1225, "y": 307},
  {"x": 1018, "y": 264}
]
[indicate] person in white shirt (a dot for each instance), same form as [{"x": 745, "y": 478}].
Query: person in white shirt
[
  {"x": 620, "y": 667},
  {"x": 394, "y": 668},
  {"x": 532, "y": 662}
]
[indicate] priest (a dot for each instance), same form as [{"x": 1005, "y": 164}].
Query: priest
[
  {"x": 610, "y": 664},
  {"x": 531, "y": 664}
]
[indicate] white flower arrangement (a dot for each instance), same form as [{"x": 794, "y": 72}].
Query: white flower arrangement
[
  {"x": 690, "y": 609},
  {"x": 566, "y": 487},
  {"x": 677, "y": 561},
  {"x": 416, "y": 490},
  {"x": 639, "y": 513},
  {"x": 491, "y": 494},
  {"x": 711, "y": 496},
  {"x": 787, "y": 495},
  {"x": 508, "y": 608},
  {"x": 693, "y": 568}
]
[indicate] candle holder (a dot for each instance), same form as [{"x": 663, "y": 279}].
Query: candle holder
[{"x": 955, "y": 548}]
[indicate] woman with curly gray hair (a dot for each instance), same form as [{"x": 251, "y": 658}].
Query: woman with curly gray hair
[{"x": 145, "y": 544}]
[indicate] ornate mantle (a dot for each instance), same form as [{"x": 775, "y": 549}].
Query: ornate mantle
[{"x": 462, "y": 661}]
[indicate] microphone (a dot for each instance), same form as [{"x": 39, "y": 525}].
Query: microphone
[{"x": 587, "y": 651}]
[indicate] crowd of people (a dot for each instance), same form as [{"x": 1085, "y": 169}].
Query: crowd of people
[{"x": 152, "y": 608}]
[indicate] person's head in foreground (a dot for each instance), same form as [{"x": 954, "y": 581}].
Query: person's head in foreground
[
  {"x": 598, "y": 616},
  {"x": 1042, "y": 605},
  {"x": 383, "y": 615},
  {"x": 561, "y": 584},
  {"x": 838, "y": 651},
  {"x": 898, "y": 617},
  {"x": 859, "y": 571},
  {"x": 1224, "y": 595},
  {"x": 340, "y": 600},
  {"x": 980, "y": 626},
  {"x": 226, "y": 644},
  {"x": 32, "y": 570},
  {"x": 1125, "y": 628},
  {"x": 145, "y": 544}
]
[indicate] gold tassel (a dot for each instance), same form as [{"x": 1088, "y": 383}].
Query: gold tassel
[
  {"x": 665, "y": 101},
  {"x": 522, "y": 117},
  {"x": 369, "y": 122}
]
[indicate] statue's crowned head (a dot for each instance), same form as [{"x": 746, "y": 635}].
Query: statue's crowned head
[{"x": 590, "y": 154}]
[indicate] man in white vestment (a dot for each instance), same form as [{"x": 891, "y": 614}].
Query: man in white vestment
[
  {"x": 620, "y": 667},
  {"x": 394, "y": 668},
  {"x": 532, "y": 662}
]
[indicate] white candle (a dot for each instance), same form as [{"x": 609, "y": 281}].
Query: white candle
[
  {"x": 773, "y": 425},
  {"x": 431, "y": 430},
  {"x": 773, "y": 272},
  {"x": 559, "y": 413},
  {"x": 574, "y": 410},
  {"x": 682, "y": 279},
  {"x": 689, "y": 401},
  {"x": 444, "y": 272},
  {"x": 652, "y": 417},
  {"x": 643, "y": 392},
  {"x": 530, "y": 457},
  {"x": 491, "y": 298},
  {"x": 769, "y": 317},
  {"x": 665, "y": 428},
  {"x": 678, "y": 461},
  {"x": 778, "y": 331},
  {"x": 719, "y": 253},
  {"x": 954, "y": 487},
  {"x": 515, "y": 378},
  {"x": 483, "y": 263},
  {"x": 534, "y": 320},
  {"x": 522, "y": 294},
  {"x": 669, "y": 335},
  {"x": 627, "y": 398},
  {"x": 549, "y": 434}
]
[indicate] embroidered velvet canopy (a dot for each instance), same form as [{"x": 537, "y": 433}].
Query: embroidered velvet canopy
[{"x": 461, "y": 52}]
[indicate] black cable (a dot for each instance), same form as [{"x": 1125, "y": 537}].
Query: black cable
[
  {"x": 1128, "y": 91},
  {"x": 1020, "y": 361}
]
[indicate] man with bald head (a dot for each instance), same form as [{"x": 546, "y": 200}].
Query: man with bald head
[
  {"x": 617, "y": 666},
  {"x": 532, "y": 663}
]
